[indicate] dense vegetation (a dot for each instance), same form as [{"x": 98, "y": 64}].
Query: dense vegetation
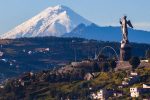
[{"x": 69, "y": 85}]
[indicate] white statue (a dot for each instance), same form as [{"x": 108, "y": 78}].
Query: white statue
[{"x": 124, "y": 28}]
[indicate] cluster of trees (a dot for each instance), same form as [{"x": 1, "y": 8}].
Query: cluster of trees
[
  {"x": 110, "y": 65},
  {"x": 105, "y": 66},
  {"x": 62, "y": 77},
  {"x": 134, "y": 61}
]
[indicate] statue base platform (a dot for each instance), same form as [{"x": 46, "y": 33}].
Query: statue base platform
[{"x": 125, "y": 51}]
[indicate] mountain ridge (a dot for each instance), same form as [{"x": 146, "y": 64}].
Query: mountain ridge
[{"x": 108, "y": 33}]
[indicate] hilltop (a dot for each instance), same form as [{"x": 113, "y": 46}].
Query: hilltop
[{"x": 35, "y": 54}]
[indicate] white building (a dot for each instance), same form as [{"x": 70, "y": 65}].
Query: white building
[
  {"x": 93, "y": 96},
  {"x": 145, "y": 61},
  {"x": 47, "y": 49},
  {"x": 100, "y": 95},
  {"x": 134, "y": 92},
  {"x": 125, "y": 83},
  {"x": 133, "y": 78},
  {"x": 1, "y": 54},
  {"x": 29, "y": 52},
  {"x": 147, "y": 86},
  {"x": 1, "y": 86},
  {"x": 134, "y": 74}
]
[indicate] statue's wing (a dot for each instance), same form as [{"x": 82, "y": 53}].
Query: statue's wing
[
  {"x": 129, "y": 23},
  {"x": 120, "y": 22}
]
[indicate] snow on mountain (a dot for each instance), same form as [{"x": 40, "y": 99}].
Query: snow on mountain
[{"x": 53, "y": 21}]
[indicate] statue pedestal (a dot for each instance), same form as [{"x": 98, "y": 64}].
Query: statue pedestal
[{"x": 125, "y": 51}]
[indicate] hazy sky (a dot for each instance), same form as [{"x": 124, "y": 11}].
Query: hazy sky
[{"x": 101, "y": 12}]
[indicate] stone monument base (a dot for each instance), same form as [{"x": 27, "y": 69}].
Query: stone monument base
[{"x": 125, "y": 52}]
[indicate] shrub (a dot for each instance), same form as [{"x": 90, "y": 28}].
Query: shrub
[
  {"x": 104, "y": 66},
  {"x": 112, "y": 64},
  {"x": 148, "y": 54},
  {"x": 134, "y": 61}
]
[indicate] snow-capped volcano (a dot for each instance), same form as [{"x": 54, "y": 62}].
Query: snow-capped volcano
[{"x": 53, "y": 21}]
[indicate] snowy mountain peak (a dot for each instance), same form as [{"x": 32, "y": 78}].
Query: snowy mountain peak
[
  {"x": 58, "y": 7},
  {"x": 53, "y": 21}
]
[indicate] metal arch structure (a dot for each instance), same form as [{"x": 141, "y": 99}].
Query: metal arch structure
[{"x": 111, "y": 49}]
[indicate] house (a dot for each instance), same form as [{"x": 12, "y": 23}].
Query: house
[
  {"x": 31, "y": 74},
  {"x": 93, "y": 96},
  {"x": 29, "y": 52},
  {"x": 120, "y": 86},
  {"x": 4, "y": 60},
  {"x": 10, "y": 63},
  {"x": 100, "y": 95},
  {"x": 133, "y": 78},
  {"x": 145, "y": 61},
  {"x": 134, "y": 74},
  {"x": 1, "y": 54},
  {"x": 125, "y": 83},
  {"x": 47, "y": 49},
  {"x": 1, "y": 86},
  {"x": 104, "y": 94},
  {"x": 42, "y": 49},
  {"x": 90, "y": 88},
  {"x": 117, "y": 93},
  {"x": 134, "y": 92},
  {"x": 146, "y": 86}
]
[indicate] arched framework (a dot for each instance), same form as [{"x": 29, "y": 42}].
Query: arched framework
[{"x": 111, "y": 49}]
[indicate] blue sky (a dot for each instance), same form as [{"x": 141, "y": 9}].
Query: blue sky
[{"x": 101, "y": 12}]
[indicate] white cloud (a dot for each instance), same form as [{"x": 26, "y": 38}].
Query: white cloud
[
  {"x": 142, "y": 25},
  {"x": 137, "y": 25}
]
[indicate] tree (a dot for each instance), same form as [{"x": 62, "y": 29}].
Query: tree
[
  {"x": 104, "y": 66},
  {"x": 112, "y": 64},
  {"x": 102, "y": 58},
  {"x": 148, "y": 53},
  {"x": 95, "y": 67},
  {"x": 134, "y": 61}
]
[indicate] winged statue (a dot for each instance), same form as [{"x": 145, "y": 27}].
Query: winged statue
[{"x": 124, "y": 26}]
